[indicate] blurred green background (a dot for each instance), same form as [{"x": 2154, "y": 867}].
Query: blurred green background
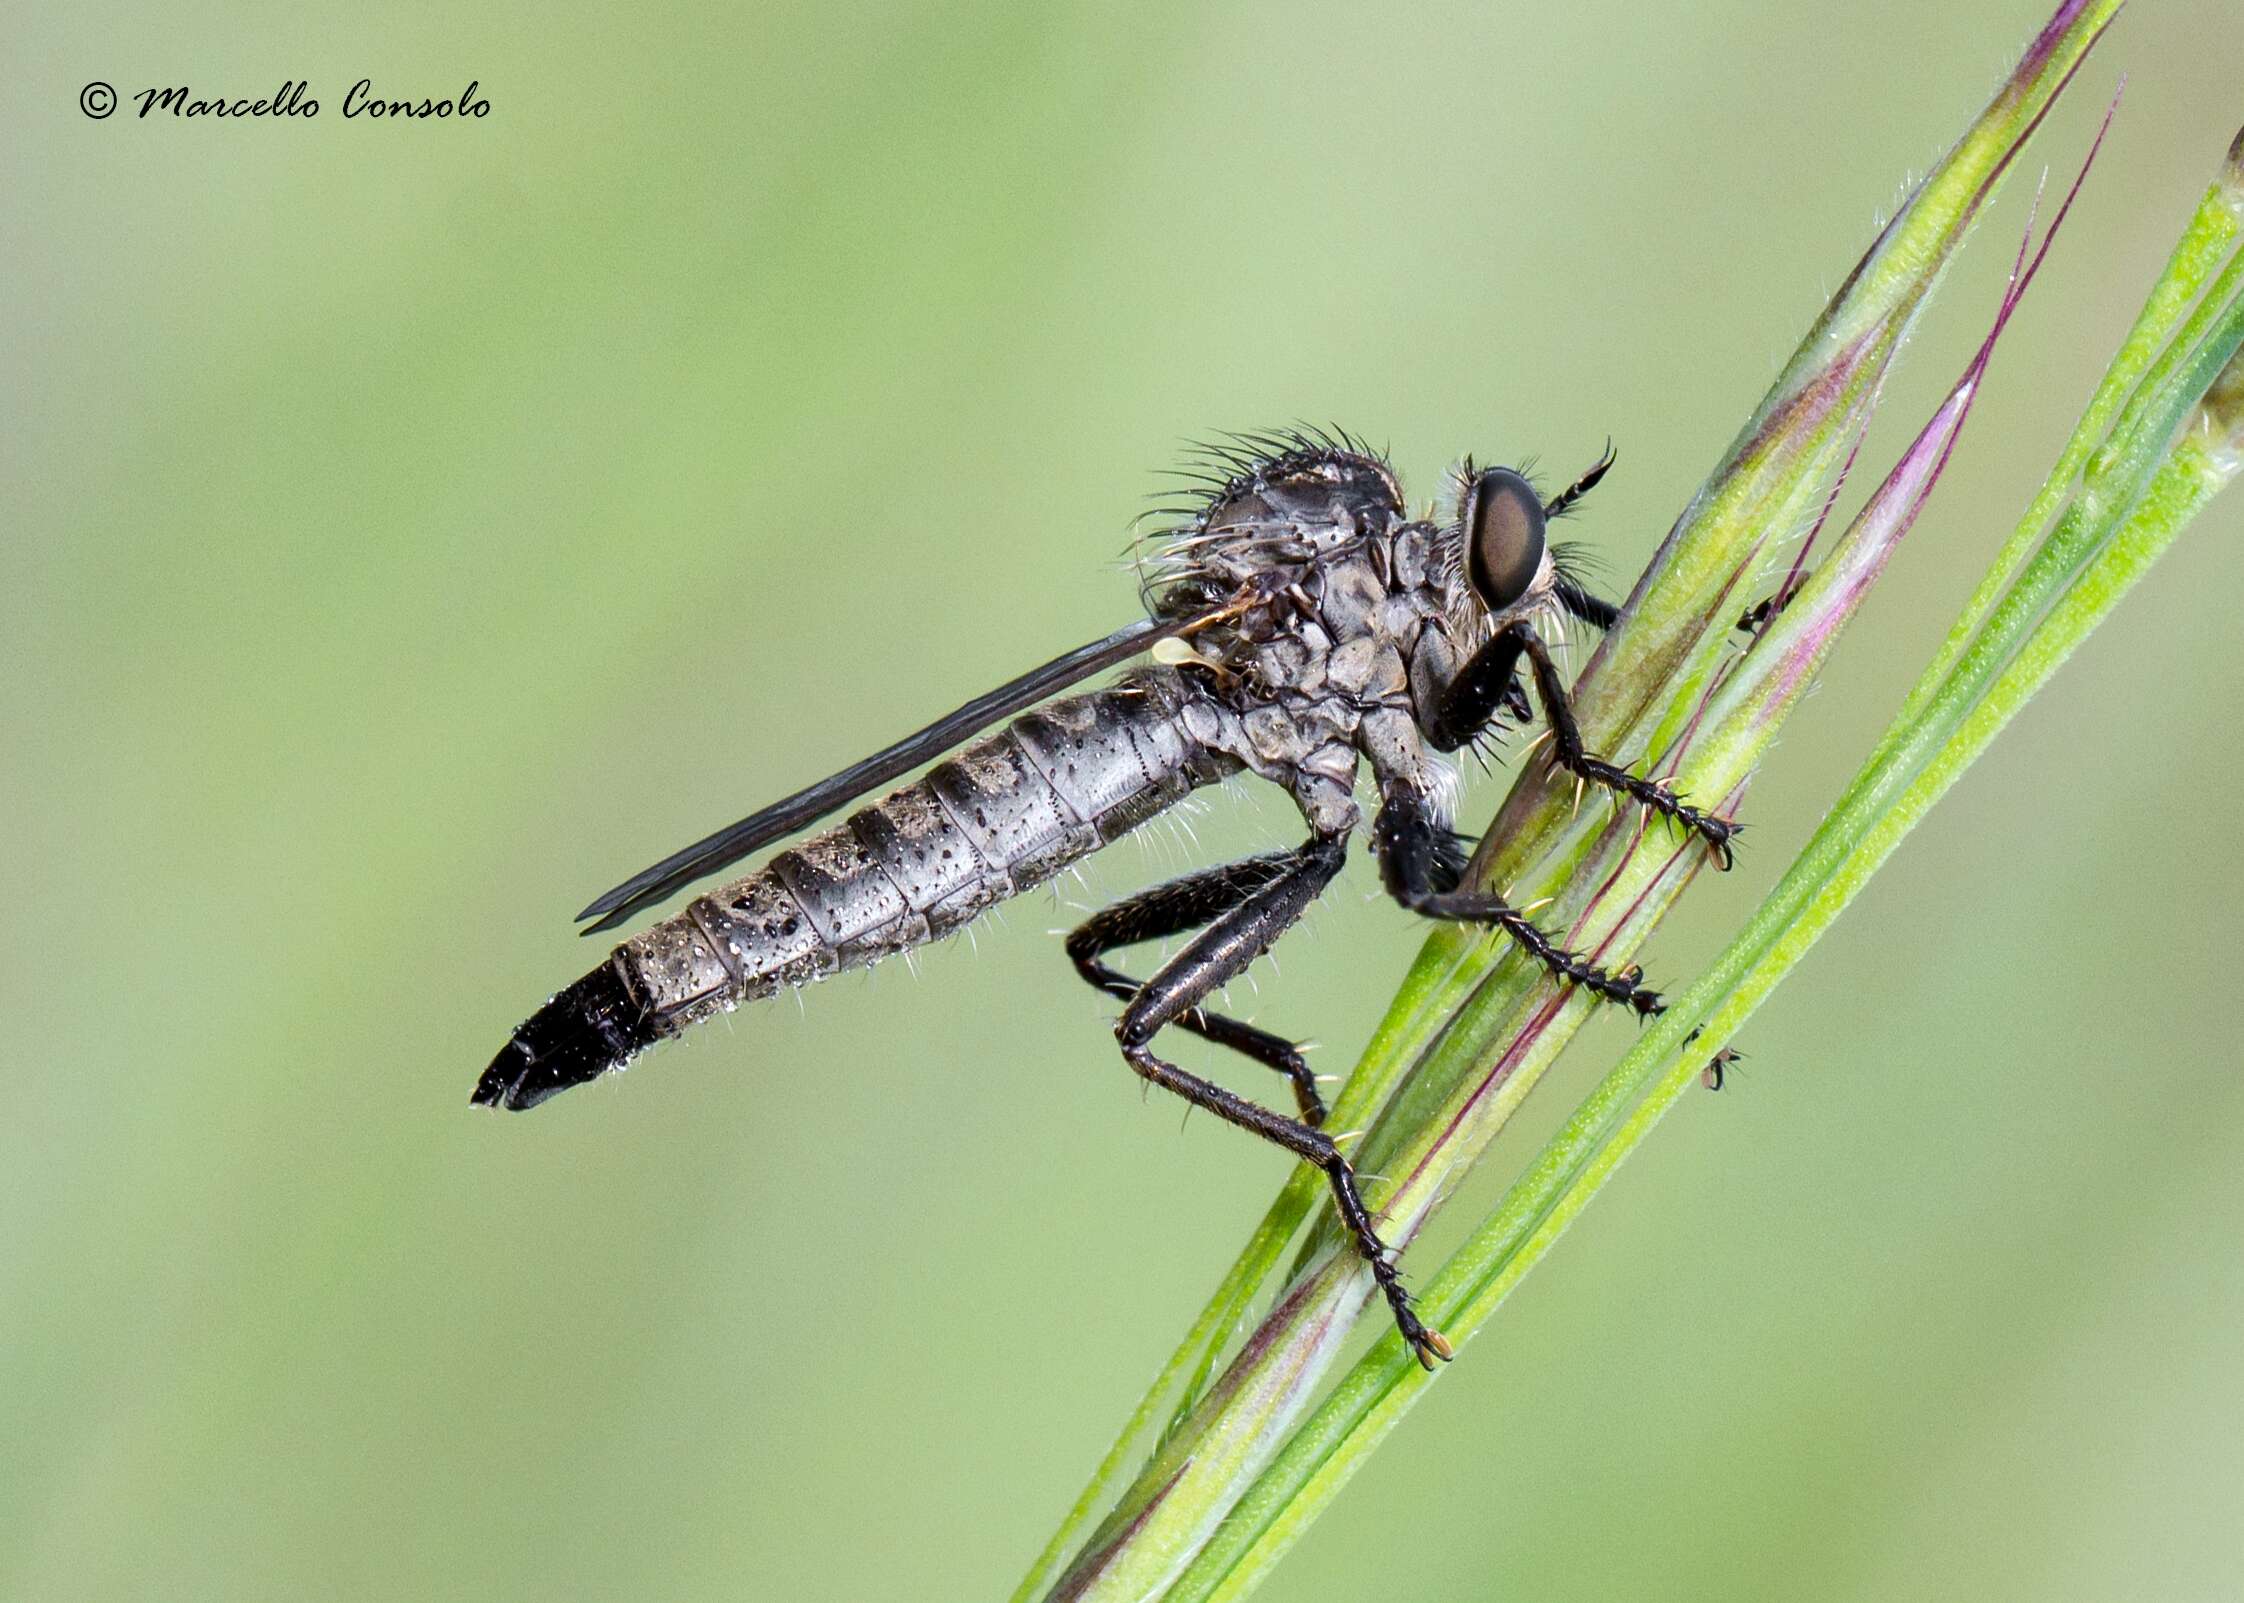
[{"x": 412, "y": 529}]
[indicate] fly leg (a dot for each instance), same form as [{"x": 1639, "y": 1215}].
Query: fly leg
[
  {"x": 1410, "y": 861},
  {"x": 1468, "y": 701},
  {"x": 1593, "y": 610},
  {"x": 1172, "y": 909},
  {"x": 1219, "y": 953},
  {"x": 1566, "y": 742},
  {"x": 1750, "y": 620},
  {"x": 1563, "y": 502}
]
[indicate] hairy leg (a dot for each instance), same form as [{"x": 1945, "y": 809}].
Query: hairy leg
[
  {"x": 1219, "y": 953},
  {"x": 1407, "y": 841},
  {"x": 1566, "y": 742},
  {"x": 1172, "y": 909}
]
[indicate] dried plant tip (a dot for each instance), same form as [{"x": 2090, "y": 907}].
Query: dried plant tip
[{"x": 2232, "y": 175}]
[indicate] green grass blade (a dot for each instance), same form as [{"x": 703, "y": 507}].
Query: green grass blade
[{"x": 2185, "y": 441}]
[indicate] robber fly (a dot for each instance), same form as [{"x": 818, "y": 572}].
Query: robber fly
[{"x": 1300, "y": 626}]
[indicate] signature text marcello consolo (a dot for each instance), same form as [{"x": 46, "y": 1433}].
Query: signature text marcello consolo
[{"x": 294, "y": 99}]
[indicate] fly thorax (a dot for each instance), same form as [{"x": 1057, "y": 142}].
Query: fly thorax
[
  {"x": 1414, "y": 561},
  {"x": 1390, "y": 741},
  {"x": 1352, "y": 597},
  {"x": 1324, "y": 788},
  {"x": 1288, "y": 663},
  {"x": 1276, "y": 740},
  {"x": 1292, "y": 661},
  {"x": 1366, "y": 669}
]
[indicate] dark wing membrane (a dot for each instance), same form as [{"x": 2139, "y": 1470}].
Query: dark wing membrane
[{"x": 807, "y": 806}]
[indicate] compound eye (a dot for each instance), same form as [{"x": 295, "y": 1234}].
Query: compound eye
[{"x": 1503, "y": 537}]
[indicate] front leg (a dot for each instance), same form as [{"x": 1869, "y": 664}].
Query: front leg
[
  {"x": 1566, "y": 742},
  {"x": 1487, "y": 684},
  {"x": 1408, "y": 842},
  {"x": 1593, "y": 610},
  {"x": 1562, "y": 503},
  {"x": 1217, "y": 955}
]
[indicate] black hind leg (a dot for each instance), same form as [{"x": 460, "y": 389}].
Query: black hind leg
[
  {"x": 1219, "y": 953},
  {"x": 1186, "y": 904}
]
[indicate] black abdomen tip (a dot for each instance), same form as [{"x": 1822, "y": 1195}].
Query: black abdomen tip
[{"x": 585, "y": 1031}]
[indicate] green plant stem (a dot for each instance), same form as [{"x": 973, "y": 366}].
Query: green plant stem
[
  {"x": 1427, "y": 996},
  {"x": 1429, "y": 1053},
  {"x": 1958, "y": 724}
]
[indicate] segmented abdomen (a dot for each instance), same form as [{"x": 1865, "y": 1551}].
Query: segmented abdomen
[{"x": 1003, "y": 815}]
